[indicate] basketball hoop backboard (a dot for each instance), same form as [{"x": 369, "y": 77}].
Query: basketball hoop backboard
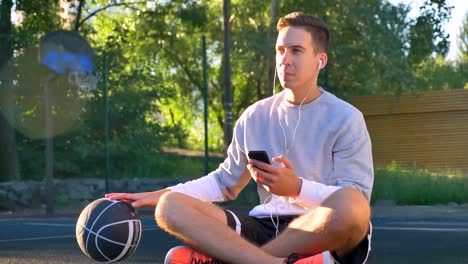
[{"x": 67, "y": 52}]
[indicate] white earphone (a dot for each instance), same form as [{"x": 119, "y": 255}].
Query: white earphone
[{"x": 320, "y": 64}]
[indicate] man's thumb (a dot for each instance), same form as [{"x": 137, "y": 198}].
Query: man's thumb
[{"x": 285, "y": 162}]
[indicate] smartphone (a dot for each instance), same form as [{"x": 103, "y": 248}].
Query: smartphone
[{"x": 259, "y": 155}]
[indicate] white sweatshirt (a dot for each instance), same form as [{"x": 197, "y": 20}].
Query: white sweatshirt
[{"x": 331, "y": 150}]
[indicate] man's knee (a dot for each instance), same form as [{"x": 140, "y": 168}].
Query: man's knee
[
  {"x": 167, "y": 208},
  {"x": 176, "y": 208},
  {"x": 343, "y": 210},
  {"x": 351, "y": 210},
  {"x": 349, "y": 201}
]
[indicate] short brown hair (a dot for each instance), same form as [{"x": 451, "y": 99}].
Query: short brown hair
[{"x": 317, "y": 28}]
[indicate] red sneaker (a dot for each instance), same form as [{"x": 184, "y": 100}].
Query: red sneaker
[
  {"x": 322, "y": 258},
  {"x": 187, "y": 255}
]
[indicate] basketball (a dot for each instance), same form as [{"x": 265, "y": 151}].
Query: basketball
[{"x": 108, "y": 230}]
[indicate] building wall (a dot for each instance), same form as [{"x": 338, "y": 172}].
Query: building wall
[{"x": 424, "y": 130}]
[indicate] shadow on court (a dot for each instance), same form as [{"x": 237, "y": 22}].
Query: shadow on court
[{"x": 396, "y": 239}]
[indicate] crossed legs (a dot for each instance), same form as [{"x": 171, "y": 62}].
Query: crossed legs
[{"x": 339, "y": 224}]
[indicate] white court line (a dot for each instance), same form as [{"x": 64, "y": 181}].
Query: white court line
[
  {"x": 421, "y": 229},
  {"x": 33, "y": 238},
  {"x": 53, "y": 237},
  {"x": 47, "y": 224}
]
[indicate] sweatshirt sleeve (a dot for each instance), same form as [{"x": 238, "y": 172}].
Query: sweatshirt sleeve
[
  {"x": 205, "y": 188},
  {"x": 210, "y": 187},
  {"x": 313, "y": 194},
  {"x": 352, "y": 157}
]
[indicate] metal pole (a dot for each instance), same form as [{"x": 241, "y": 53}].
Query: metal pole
[
  {"x": 49, "y": 149},
  {"x": 227, "y": 78},
  {"x": 205, "y": 100},
  {"x": 106, "y": 122}
]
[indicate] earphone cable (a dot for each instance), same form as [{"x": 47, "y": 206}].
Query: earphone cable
[
  {"x": 271, "y": 197},
  {"x": 286, "y": 148}
]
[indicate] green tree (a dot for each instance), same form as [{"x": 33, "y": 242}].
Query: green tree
[
  {"x": 155, "y": 69},
  {"x": 462, "y": 62},
  {"x": 427, "y": 35},
  {"x": 439, "y": 74},
  {"x": 8, "y": 153},
  {"x": 463, "y": 39},
  {"x": 14, "y": 43}
]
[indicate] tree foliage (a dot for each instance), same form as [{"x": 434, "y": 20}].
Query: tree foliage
[
  {"x": 155, "y": 70},
  {"x": 427, "y": 35},
  {"x": 463, "y": 39}
]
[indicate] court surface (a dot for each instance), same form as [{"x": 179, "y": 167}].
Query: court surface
[{"x": 395, "y": 240}]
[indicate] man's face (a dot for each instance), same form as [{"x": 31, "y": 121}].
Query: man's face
[{"x": 296, "y": 61}]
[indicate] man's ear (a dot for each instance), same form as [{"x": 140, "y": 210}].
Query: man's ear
[{"x": 323, "y": 60}]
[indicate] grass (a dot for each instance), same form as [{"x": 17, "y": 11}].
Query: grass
[
  {"x": 170, "y": 166},
  {"x": 174, "y": 165},
  {"x": 403, "y": 186},
  {"x": 419, "y": 187}
]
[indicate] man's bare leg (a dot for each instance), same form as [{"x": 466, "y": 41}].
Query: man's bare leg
[
  {"x": 204, "y": 226},
  {"x": 339, "y": 224}
]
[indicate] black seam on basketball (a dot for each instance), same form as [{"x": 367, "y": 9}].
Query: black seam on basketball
[
  {"x": 128, "y": 249},
  {"x": 105, "y": 238},
  {"x": 126, "y": 245},
  {"x": 95, "y": 234},
  {"x": 95, "y": 220}
]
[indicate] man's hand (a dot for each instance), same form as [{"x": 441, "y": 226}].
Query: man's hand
[
  {"x": 138, "y": 199},
  {"x": 277, "y": 180}
]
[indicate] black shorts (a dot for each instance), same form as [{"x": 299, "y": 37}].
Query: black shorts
[
  {"x": 256, "y": 230},
  {"x": 261, "y": 230}
]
